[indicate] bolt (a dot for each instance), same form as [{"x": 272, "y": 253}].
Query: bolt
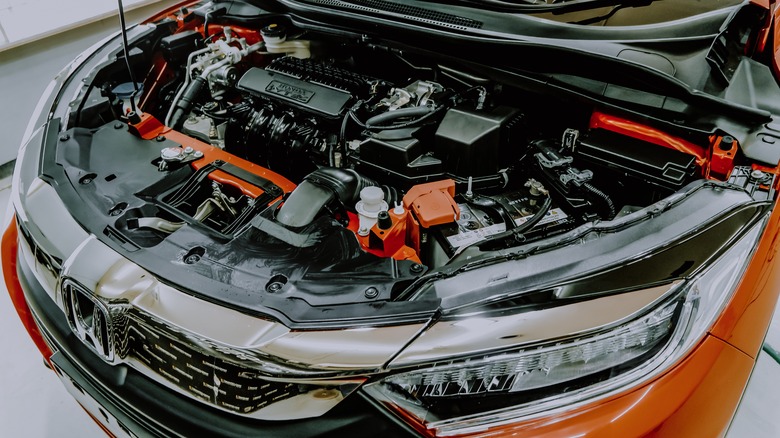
[
  {"x": 192, "y": 259},
  {"x": 160, "y": 138},
  {"x": 198, "y": 154},
  {"x": 275, "y": 287},
  {"x": 118, "y": 125},
  {"x": 383, "y": 220},
  {"x": 758, "y": 175},
  {"x": 371, "y": 292},
  {"x": 726, "y": 143},
  {"x": 188, "y": 150},
  {"x": 326, "y": 394},
  {"x": 416, "y": 268},
  {"x": 64, "y": 137}
]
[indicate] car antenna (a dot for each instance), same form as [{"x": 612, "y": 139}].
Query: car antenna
[{"x": 133, "y": 113}]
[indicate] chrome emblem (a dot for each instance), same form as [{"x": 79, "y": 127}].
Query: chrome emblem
[{"x": 88, "y": 318}]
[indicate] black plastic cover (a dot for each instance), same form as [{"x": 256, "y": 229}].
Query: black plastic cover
[
  {"x": 637, "y": 158},
  {"x": 327, "y": 277},
  {"x": 469, "y": 142},
  {"x": 401, "y": 152},
  {"x": 302, "y": 94},
  {"x": 178, "y": 46}
]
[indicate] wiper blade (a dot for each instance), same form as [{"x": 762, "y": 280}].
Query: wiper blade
[{"x": 555, "y": 6}]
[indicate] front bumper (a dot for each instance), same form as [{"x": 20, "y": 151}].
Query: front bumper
[
  {"x": 133, "y": 404},
  {"x": 696, "y": 397}
]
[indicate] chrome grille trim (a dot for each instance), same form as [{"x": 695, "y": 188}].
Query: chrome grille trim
[
  {"x": 44, "y": 259},
  {"x": 215, "y": 375}
]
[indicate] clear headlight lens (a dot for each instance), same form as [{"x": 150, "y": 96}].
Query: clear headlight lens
[
  {"x": 470, "y": 395},
  {"x": 541, "y": 367}
]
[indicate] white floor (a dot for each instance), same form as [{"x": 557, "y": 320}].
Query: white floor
[{"x": 33, "y": 403}]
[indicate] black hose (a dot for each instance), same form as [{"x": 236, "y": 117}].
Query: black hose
[
  {"x": 218, "y": 12},
  {"x": 356, "y": 120},
  {"x": 486, "y": 202},
  {"x": 518, "y": 230},
  {"x": 317, "y": 190},
  {"x": 603, "y": 196},
  {"x": 389, "y": 116},
  {"x": 184, "y": 104},
  {"x": 530, "y": 223}
]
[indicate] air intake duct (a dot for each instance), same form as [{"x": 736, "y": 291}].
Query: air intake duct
[{"x": 321, "y": 187}]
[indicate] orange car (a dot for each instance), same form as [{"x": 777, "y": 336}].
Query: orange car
[{"x": 398, "y": 218}]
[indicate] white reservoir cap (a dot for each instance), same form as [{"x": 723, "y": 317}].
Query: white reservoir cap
[{"x": 372, "y": 201}]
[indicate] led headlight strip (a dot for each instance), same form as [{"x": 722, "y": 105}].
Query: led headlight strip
[{"x": 543, "y": 366}]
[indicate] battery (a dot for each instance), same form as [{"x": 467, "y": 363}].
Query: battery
[{"x": 477, "y": 224}]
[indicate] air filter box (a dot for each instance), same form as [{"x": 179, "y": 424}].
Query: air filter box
[{"x": 469, "y": 143}]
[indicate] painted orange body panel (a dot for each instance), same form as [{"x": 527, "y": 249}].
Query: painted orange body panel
[
  {"x": 170, "y": 12},
  {"x": 722, "y": 158},
  {"x": 10, "y": 245},
  {"x": 649, "y": 134},
  {"x": 746, "y": 318},
  {"x": 149, "y": 128}
]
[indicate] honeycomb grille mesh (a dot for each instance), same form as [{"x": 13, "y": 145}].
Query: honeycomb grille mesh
[{"x": 217, "y": 381}]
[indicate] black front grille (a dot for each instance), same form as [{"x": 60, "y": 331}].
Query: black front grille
[{"x": 217, "y": 381}]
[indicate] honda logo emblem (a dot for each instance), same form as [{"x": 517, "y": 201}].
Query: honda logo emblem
[{"x": 89, "y": 319}]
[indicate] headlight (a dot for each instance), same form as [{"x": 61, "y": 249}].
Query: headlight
[{"x": 480, "y": 392}]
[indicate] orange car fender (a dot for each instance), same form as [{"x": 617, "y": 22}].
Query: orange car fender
[
  {"x": 744, "y": 322},
  {"x": 695, "y": 398}
]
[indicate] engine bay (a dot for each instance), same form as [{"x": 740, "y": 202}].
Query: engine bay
[
  {"x": 419, "y": 160},
  {"x": 270, "y": 157}
]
